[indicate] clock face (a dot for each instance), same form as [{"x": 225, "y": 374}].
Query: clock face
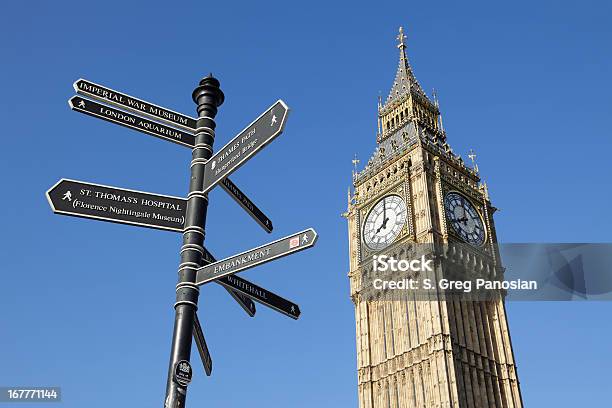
[
  {"x": 464, "y": 218},
  {"x": 384, "y": 222}
]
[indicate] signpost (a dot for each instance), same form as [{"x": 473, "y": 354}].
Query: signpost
[
  {"x": 188, "y": 216},
  {"x": 243, "y": 146},
  {"x": 276, "y": 249},
  {"x": 261, "y": 295},
  {"x": 105, "y": 203},
  {"x": 113, "y": 115}
]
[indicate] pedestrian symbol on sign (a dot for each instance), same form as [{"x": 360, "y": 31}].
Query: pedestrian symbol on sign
[{"x": 67, "y": 196}]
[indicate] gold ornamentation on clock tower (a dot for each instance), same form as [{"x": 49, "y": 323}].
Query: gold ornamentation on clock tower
[{"x": 414, "y": 190}]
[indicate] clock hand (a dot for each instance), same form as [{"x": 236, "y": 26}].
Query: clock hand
[
  {"x": 465, "y": 214},
  {"x": 385, "y": 208},
  {"x": 463, "y": 220},
  {"x": 383, "y": 225}
]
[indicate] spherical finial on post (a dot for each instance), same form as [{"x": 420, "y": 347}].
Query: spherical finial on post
[{"x": 208, "y": 95}]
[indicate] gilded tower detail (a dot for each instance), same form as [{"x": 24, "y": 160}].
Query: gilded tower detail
[{"x": 425, "y": 352}]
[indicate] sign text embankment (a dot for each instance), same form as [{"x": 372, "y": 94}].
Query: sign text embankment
[{"x": 257, "y": 256}]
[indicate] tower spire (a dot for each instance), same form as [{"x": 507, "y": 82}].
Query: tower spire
[
  {"x": 407, "y": 101},
  {"x": 405, "y": 81}
]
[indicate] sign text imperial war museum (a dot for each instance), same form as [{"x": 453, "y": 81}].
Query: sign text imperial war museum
[{"x": 88, "y": 88}]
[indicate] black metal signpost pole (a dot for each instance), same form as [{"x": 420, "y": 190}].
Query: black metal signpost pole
[{"x": 208, "y": 96}]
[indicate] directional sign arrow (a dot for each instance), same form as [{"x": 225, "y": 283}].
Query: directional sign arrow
[
  {"x": 99, "y": 92},
  {"x": 251, "y": 140},
  {"x": 261, "y": 295},
  {"x": 257, "y": 256},
  {"x": 245, "y": 302},
  {"x": 247, "y": 204},
  {"x": 198, "y": 336},
  {"x": 106, "y": 203},
  {"x": 122, "y": 118}
]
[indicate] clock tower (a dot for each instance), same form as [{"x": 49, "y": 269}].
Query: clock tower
[{"x": 417, "y": 350}]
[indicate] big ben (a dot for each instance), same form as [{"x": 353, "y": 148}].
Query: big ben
[{"x": 414, "y": 190}]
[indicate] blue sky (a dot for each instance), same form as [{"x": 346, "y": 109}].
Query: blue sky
[{"x": 87, "y": 305}]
